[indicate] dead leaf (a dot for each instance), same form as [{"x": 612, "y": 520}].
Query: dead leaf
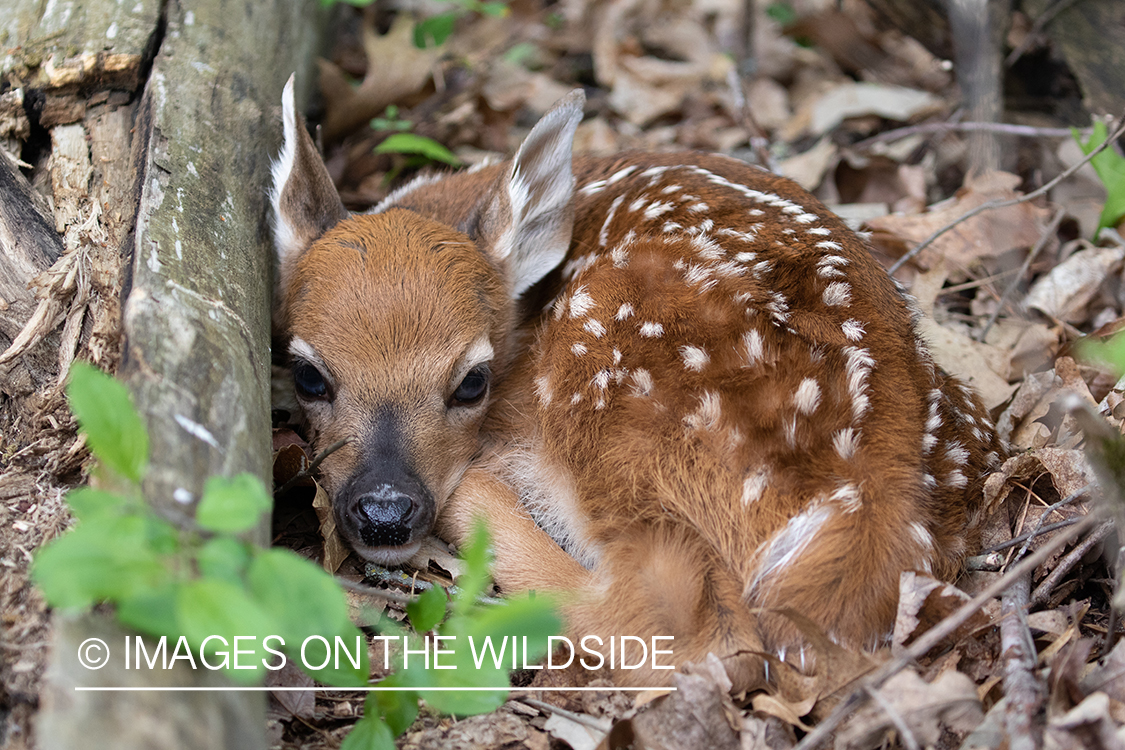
[
  {"x": 335, "y": 551},
  {"x": 924, "y": 602},
  {"x": 395, "y": 69},
  {"x": 820, "y": 115},
  {"x": 299, "y": 703},
  {"x": 1064, "y": 292},
  {"x": 989, "y": 234},
  {"x": 808, "y": 169},
  {"x": 950, "y": 701},
  {"x": 699, "y": 714}
]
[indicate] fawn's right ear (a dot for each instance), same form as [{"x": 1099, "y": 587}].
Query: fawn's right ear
[{"x": 305, "y": 201}]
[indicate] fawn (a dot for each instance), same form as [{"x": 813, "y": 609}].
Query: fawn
[{"x": 674, "y": 384}]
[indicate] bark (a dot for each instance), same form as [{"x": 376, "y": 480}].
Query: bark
[{"x": 174, "y": 109}]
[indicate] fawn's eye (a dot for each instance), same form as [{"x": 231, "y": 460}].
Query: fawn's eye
[
  {"x": 310, "y": 383},
  {"x": 473, "y": 386}
]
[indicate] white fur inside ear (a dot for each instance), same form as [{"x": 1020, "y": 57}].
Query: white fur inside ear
[
  {"x": 285, "y": 239},
  {"x": 539, "y": 191}
]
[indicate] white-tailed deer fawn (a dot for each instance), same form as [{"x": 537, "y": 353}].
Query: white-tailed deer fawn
[{"x": 675, "y": 384}]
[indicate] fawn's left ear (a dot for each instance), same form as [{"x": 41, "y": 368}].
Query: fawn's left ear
[
  {"x": 305, "y": 201},
  {"x": 529, "y": 220}
]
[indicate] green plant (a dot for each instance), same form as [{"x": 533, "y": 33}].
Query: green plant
[
  {"x": 1110, "y": 167},
  {"x": 195, "y": 580},
  {"x": 412, "y": 144},
  {"x": 433, "y": 31},
  {"x": 390, "y": 120}
]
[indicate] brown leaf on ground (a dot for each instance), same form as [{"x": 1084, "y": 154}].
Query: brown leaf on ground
[
  {"x": 949, "y": 703},
  {"x": 924, "y": 602},
  {"x": 989, "y": 234},
  {"x": 395, "y": 69},
  {"x": 1064, "y": 292},
  {"x": 335, "y": 550},
  {"x": 698, "y": 714}
]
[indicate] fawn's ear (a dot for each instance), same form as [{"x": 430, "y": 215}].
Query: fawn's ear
[
  {"x": 529, "y": 220},
  {"x": 304, "y": 199}
]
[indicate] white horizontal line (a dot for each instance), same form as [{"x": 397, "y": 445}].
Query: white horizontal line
[{"x": 262, "y": 689}]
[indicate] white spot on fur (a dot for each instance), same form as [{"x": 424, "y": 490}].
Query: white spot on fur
[
  {"x": 694, "y": 357},
  {"x": 846, "y": 443},
  {"x": 707, "y": 416},
  {"x": 829, "y": 245},
  {"x": 621, "y": 174},
  {"x": 601, "y": 379},
  {"x": 807, "y": 397},
  {"x": 806, "y": 218},
  {"x": 575, "y": 398},
  {"x": 697, "y": 208},
  {"x": 956, "y": 453},
  {"x": 643, "y": 383},
  {"x": 837, "y": 294},
  {"x": 578, "y": 348},
  {"x": 754, "y": 485},
  {"x": 657, "y": 209},
  {"x": 603, "y": 236},
  {"x": 819, "y": 231},
  {"x": 593, "y": 188},
  {"x": 669, "y": 189},
  {"x": 852, "y": 329},
  {"x": 754, "y": 346},
  {"x": 789, "y": 543},
  {"x": 847, "y": 495},
  {"x": 638, "y": 204},
  {"x": 543, "y": 389},
  {"x": 652, "y": 330},
  {"x": 581, "y": 303},
  {"x": 922, "y": 536},
  {"x": 624, "y": 312},
  {"x": 857, "y": 367},
  {"x": 595, "y": 327},
  {"x": 957, "y": 479}
]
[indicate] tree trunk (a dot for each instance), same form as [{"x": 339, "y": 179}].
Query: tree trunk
[{"x": 173, "y": 192}]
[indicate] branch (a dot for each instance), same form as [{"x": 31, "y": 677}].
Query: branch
[
  {"x": 993, "y": 204},
  {"x": 939, "y": 632}
]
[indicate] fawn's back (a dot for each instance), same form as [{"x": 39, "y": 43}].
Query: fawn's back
[{"x": 711, "y": 397}]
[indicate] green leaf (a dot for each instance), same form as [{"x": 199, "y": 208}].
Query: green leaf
[
  {"x": 409, "y": 143},
  {"x": 232, "y": 505},
  {"x": 369, "y": 733},
  {"x": 1111, "y": 171},
  {"x": 399, "y": 708},
  {"x": 433, "y": 31},
  {"x": 152, "y": 611},
  {"x": 224, "y": 558},
  {"x": 106, "y": 558},
  {"x": 106, "y": 416},
  {"x": 496, "y": 10},
  {"x": 477, "y": 562},
  {"x": 212, "y": 613},
  {"x": 427, "y": 610},
  {"x": 305, "y": 602},
  {"x": 87, "y": 503}
]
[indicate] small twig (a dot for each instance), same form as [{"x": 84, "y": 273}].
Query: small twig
[
  {"x": 1043, "y": 590},
  {"x": 1036, "y": 28},
  {"x": 600, "y": 725},
  {"x": 396, "y": 597},
  {"x": 904, "y": 732},
  {"x": 1051, "y": 509},
  {"x": 1023, "y": 692},
  {"x": 307, "y": 472},
  {"x": 1030, "y": 535},
  {"x": 993, "y": 204},
  {"x": 1001, "y": 128},
  {"x": 1044, "y": 237},
  {"x": 939, "y": 632}
]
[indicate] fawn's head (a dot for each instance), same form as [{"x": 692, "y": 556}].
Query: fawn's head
[{"x": 397, "y": 324}]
